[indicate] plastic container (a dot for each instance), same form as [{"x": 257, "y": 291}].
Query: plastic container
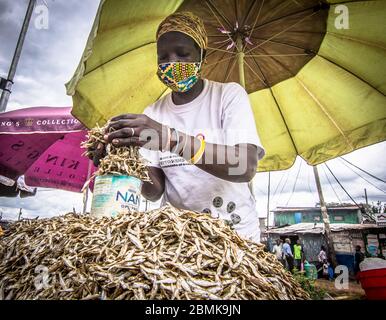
[
  {"x": 311, "y": 271},
  {"x": 115, "y": 194},
  {"x": 374, "y": 283}
]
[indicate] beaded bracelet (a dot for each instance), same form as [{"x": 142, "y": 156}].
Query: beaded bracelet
[
  {"x": 177, "y": 139},
  {"x": 183, "y": 147},
  {"x": 167, "y": 147}
]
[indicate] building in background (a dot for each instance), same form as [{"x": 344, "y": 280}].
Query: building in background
[
  {"x": 349, "y": 227},
  {"x": 285, "y": 216}
]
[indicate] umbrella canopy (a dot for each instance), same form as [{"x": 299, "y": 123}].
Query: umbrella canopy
[
  {"x": 315, "y": 71},
  {"x": 43, "y": 144}
]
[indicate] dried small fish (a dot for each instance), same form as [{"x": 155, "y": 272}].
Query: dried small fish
[
  {"x": 118, "y": 160},
  {"x": 161, "y": 254}
]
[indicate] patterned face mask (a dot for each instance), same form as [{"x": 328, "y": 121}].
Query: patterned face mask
[{"x": 179, "y": 76}]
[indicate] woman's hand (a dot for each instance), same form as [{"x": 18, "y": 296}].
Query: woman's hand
[{"x": 136, "y": 130}]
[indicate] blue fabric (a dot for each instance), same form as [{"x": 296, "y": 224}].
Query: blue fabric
[
  {"x": 287, "y": 249},
  {"x": 298, "y": 217}
]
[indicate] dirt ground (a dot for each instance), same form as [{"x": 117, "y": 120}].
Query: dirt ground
[{"x": 354, "y": 292}]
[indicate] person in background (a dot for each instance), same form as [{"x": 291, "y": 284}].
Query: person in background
[
  {"x": 326, "y": 265},
  {"x": 278, "y": 251},
  {"x": 287, "y": 252},
  {"x": 298, "y": 254},
  {"x": 321, "y": 257},
  {"x": 358, "y": 258}
]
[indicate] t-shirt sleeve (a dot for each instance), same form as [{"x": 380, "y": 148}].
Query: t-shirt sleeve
[
  {"x": 150, "y": 156},
  {"x": 237, "y": 119}
]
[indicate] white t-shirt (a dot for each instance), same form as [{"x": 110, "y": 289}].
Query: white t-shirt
[
  {"x": 222, "y": 113},
  {"x": 278, "y": 251}
]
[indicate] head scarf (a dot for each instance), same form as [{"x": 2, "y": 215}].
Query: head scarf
[{"x": 187, "y": 23}]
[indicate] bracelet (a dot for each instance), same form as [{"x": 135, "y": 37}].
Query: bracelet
[
  {"x": 167, "y": 147},
  {"x": 177, "y": 139},
  {"x": 183, "y": 147},
  {"x": 199, "y": 153}
]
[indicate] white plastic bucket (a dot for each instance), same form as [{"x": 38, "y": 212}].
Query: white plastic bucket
[{"x": 115, "y": 194}]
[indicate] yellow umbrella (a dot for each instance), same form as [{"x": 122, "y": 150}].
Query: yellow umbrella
[{"x": 315, "y": 71}]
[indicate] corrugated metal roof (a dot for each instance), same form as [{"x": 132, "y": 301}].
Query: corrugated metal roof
[
  {"x": 290, "y": 209},
  {"x": 317, "y": 228}
]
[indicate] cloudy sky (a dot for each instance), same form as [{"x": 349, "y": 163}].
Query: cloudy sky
[{"x": 48, "y": 61}]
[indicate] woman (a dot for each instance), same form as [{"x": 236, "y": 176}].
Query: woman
[{"x": 200, "y": 140}]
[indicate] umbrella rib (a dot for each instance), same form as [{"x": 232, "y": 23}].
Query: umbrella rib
[
  {"x": 261, "y": 71},
  {"x": 221, "y": 60},
  {"x": 218, "y": 35},
  {"x": 353, "y": 74},
  {"x": 297, "y": 3},
  {"x": 282, "y": 31},
  {"x": 254, "y": 24},
  {"x": 282, "y": 43},
  {"x": 254, "y": 72},
  {"x": 278, "y": 106},
  {"x": 221, "y": 50},
  {"x": 277, "y": 55},
  {"x": 217, "y": 18},
  {"x": 370, "y": 44},
  {"x": 213, "y": 7},
  {"x": 227, "y": 72},
  {"x": 285, "y": 123},
  {"x": 231, "y": 69},
  {"x": 286, "y": 16},
  {"x": 325, "y": 112},
  {"x": 222, "y": 45},
  {"x": 236, "y": 11},
  {"x": 281, "y": 65},
  {"x": 218, "y": 61},
  {"x": 249, "y": 12}
]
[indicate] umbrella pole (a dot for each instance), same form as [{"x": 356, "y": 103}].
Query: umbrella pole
[
  {"x": 85, "y": 199},
  {"x": 326, "y": 219},
  {"x": 269, "y": 194},
  {"x": 240, "y": 60}
]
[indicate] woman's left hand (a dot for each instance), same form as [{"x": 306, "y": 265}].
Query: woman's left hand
[{"x": 135, "y": 130}]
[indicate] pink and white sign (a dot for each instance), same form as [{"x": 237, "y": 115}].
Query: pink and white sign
[{"x": 43, "y": 143}]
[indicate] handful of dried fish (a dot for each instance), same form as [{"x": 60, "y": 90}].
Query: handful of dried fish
[
  {"x": 162, "y": 254},
  {"x": 121, "y": 161}
]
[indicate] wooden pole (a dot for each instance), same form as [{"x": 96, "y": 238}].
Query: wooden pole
[
  {"x": 326, "y": 220},
  {"x": 269, "y": 194},
  {"x": 85, "y": 198},
  {"x": 367, "y": 201}
]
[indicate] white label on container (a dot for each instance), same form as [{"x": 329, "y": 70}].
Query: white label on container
[{"x": 115, "y": 194}]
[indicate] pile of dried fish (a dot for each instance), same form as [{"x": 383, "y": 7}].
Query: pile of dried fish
[
  {"x": 162, "y": 254},
  {"x": 122, "y": 160}
]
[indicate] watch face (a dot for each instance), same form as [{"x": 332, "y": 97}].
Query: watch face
[
  {"x": 235, "y": 218},
  {"x": 217, "y": 202},
  {"x": 231, "y": 207}
]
